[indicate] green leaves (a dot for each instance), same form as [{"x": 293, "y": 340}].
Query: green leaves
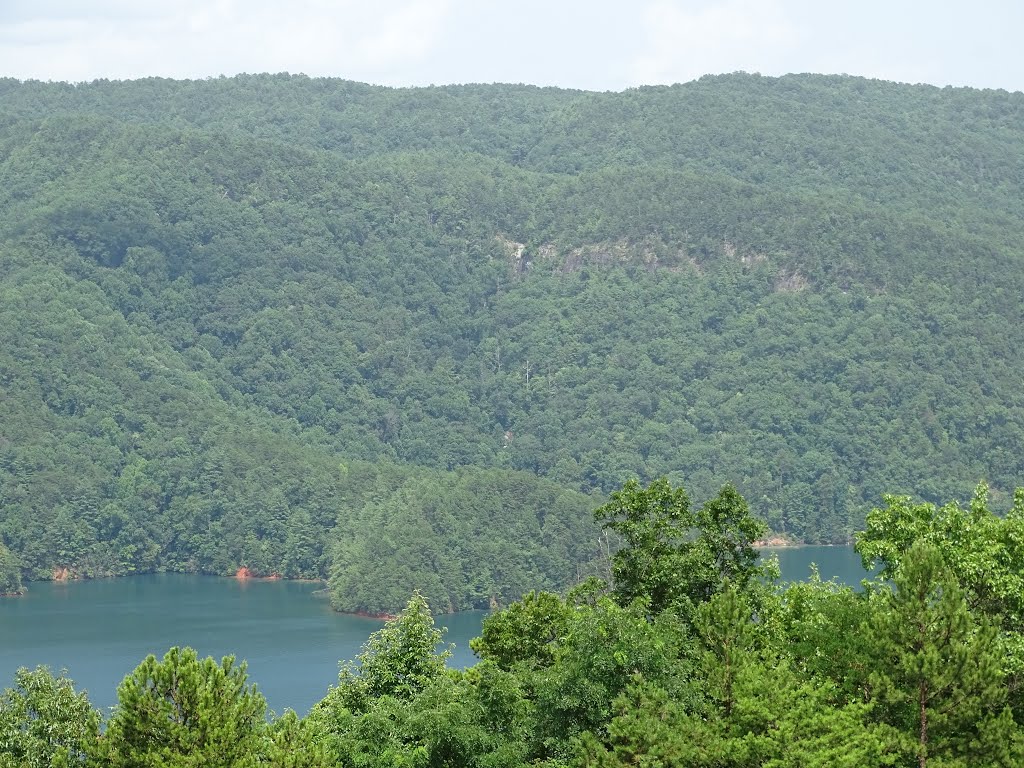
[
  {"x": 185, "y": 711},
  {"x": 229, "y": 292},
  {"x": 44, "y": 723},
  {"x": 653, "y": 524},
  {"x": 982, "y": 552},
  {"x": 937, "y": 673},
  {"x": 527, "y": 632},
  {"x": 471, "y": 539},
  {"x": 675, "y": 557},
  {"x": 398, "y": 661}
]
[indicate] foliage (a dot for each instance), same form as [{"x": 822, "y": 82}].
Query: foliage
[
  {"x": 778, "y": 722},
  {"x": 527, "y": 632},
  {"x": 654, "y": 524},
  {"x": 293, "y": 742},
  {"x": 404, "y": 339},
  {"x": 605, "y": 647},
  {"x": 672, "y": 556},
  {"x": 185, "y": 711},
  {"x": 472, "y": 539},
  {"x": 823, "y": 624},
  {"x": 212, "y": 294},
  {"x": 398, "y": 661},
  {"x": 908, "y": 670},
  {"x": 937, "y": 676},
  {"x": 398, "y": 705},
  {"x": 44, "y": 722},
  {"x": 10, "y": 573},
  {"x": 981, "y": 551}
]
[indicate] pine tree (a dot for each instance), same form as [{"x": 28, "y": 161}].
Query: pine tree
[
  {"x": 184, "y": 712},
  {"x": 938, "y": 681}
]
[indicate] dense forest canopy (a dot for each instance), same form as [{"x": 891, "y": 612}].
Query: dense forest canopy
[{"x": 260, "y": 321}]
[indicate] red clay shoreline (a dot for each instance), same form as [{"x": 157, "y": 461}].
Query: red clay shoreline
[
  {"x": 64, "y": 574},
  {"x": 246, "y": 574},
  {"x": 370, "y": 615}
]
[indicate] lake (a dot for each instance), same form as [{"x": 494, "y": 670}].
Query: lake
[
  {"x": 100, "y": 630},
  {"x": 840, "y": 563}
]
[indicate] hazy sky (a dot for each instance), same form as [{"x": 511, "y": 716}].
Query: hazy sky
[{"x": 591, "y": 44}]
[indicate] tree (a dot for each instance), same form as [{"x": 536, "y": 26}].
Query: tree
[
  {"x": 653, "y": 524},
  {"x": 10, "y": 573},
  {"x": 378, "y": 713},
  {"x": 646, "y": 730},
  {"x": 981, "y": 551},
  {"x": 526, "y": 632},
  {"x": 937, "y": 676},
  {"x": 292, "y": 742},
  {"x": 728, "y": 532},
  {"x": 725, "y": 626},
  {"x": 821, "y": 630},
  {"x": 44, "y": 723},
  {"x": 185, "y": 711},
  {"x": 778, "y": 722},
  {"x": 673, "y": 556},
  {"x": 398, "y": 660},
  {"x": 605, "y": 646}
]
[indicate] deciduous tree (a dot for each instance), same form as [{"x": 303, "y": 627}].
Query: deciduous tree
[{"x": 44, "y": 722}]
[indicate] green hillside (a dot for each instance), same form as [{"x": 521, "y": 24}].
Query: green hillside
[{"x": 254, "y": 322}]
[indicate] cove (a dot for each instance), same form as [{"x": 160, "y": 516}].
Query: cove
[{"x": 100, "y": 630}]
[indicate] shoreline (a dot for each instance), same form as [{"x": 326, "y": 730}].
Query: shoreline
[
  {"x": 369, "y": 615},
  {"x": 779, "y": 542},
  {"x": 243, "y": 575},
  {"x": 66, "y": 576}
]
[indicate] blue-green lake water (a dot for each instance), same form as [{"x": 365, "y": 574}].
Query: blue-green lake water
[
  {"x": 840, "y": 563},
  {"x": 100, "y": 630}
]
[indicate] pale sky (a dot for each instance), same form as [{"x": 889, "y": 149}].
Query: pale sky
[{"x": 589, "y": 44}]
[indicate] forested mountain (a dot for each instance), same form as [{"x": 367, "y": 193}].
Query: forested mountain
[{"x": 254, "y": 322}]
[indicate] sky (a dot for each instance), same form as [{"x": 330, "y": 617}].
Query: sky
[{"x": 605, "y": 45}]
